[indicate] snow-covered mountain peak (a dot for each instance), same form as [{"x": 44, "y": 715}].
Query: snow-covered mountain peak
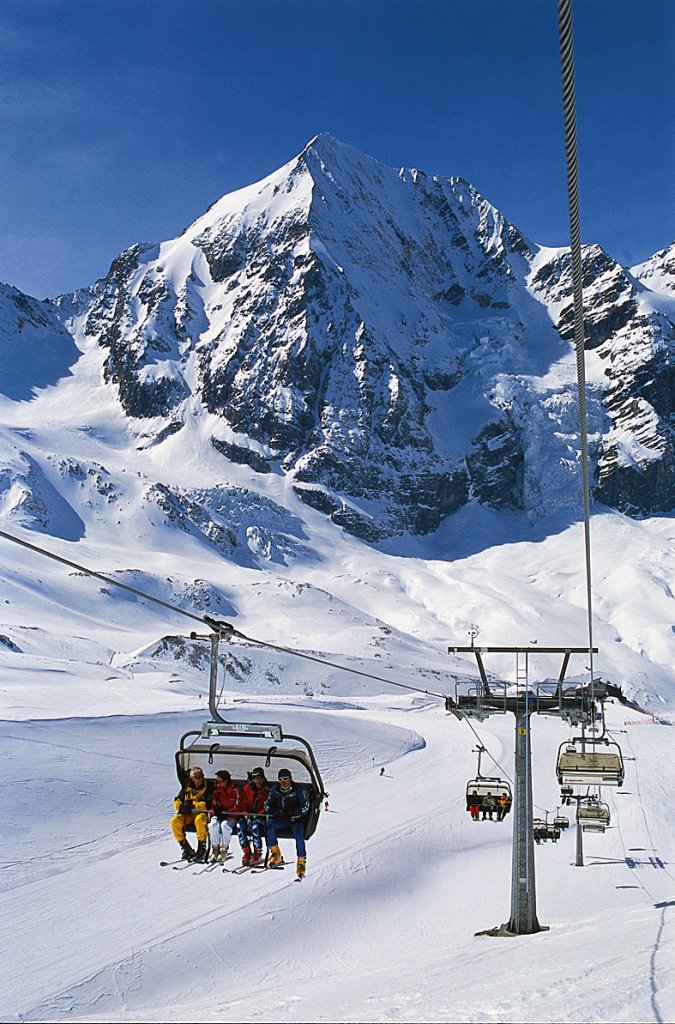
[
  {"x": 387, "y": 342},
  {"x": 658, "y": 272}
]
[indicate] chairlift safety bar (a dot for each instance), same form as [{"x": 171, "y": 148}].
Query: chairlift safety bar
[{"x": 264, "y": 731}]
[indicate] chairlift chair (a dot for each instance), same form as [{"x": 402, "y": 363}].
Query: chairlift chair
[
  {"x": 539, "y": 830},
  {"x": 239, "y": 747},
  {"x": 582, "y": 763},
  {"x": 566, "y": 794},
  {"x": 561, "y": 822},
  {"x": 222, "y": 745},
  {"x": 593, "y": 814},
  {"x": 486, "y": 785},
  {"x": 545, "y": 831}
]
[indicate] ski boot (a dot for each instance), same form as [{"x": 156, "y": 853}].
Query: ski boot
[
  {"x": 224, "y": 852},
  {"x": 255, "y": 856},
  {"x": 188, "y": 852},
  {"x": 215, "y": 854},
  {"x": 200, "y": 855},
  {"x": 301, "y": 867},
  {"x": 275, "y": 856},
  {"x": 246, "y": 858}
]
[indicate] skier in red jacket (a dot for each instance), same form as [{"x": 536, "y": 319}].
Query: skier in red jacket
[{"x": 252, "y": 828}]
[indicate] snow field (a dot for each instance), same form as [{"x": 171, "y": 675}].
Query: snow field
[{"x": 381, "y": 929}]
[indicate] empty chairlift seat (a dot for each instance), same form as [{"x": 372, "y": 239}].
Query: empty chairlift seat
[
  {"x": 593, "y": 815},
  {"x": 590, "y": 764}
]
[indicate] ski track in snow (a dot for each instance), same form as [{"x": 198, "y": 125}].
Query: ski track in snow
[{"x": 381, "y": 929}]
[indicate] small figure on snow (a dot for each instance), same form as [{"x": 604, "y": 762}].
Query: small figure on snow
[
  {"x": 287, "y": 807},
  {"x": 224, "y": 805},
  {"x": 252, "y": 828},
  {"x": 191, "y": 806}
]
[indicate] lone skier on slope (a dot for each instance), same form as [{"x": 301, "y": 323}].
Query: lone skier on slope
[{"x": 287, "y": 807}]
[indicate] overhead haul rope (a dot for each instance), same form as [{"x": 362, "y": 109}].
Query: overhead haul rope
[
  {"x": 226, "y": 629},
  {"x": 565, "y": 30}
]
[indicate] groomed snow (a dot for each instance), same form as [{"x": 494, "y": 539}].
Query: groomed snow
[{"x": 399, "y": 879}]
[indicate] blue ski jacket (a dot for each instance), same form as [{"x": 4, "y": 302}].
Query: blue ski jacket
[{"x": 291, "y": 804}]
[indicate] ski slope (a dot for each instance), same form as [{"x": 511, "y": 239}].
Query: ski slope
[{"x": 399, "y": 880}]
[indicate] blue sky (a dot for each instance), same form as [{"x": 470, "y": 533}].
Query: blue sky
[{"x": 124, "y": 121}]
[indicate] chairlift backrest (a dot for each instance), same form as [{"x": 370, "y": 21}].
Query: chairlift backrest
[
  {"x": 239, "y": 756},
  {"x": 593, "y": 811},
  {"x": 590, "y": 766},
  {"x": 482, "y": 787}
]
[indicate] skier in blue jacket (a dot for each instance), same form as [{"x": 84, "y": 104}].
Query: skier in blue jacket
[{"x": 287, "y": 806}]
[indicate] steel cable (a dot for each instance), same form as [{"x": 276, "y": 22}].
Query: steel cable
[{"x": 565, "y": 29}]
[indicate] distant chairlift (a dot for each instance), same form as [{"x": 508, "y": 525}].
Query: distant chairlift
[
  {"x": 583, "y": 763},
  {"x": 488, "y": 794},
  {"x": 545, "y": 831},
  {"x": 561, "y": 822},
  {"x": 593, "y": 814}
]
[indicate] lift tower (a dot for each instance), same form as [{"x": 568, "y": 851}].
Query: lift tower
[{"x": 573, "y": 702}]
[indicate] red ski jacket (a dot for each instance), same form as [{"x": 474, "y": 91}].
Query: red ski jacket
[
  {"x": 253, "y": 799},
  {"x": 226, "y": 799}
]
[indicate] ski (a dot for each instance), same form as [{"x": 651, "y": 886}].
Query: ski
[
  {"x": 212, "y": 865},
  {"x": 205, "y": 868},
  {"x": 173, "y": 863},
  {"x": 270, "y": 867},
  {"x": 237, "y": 871}
]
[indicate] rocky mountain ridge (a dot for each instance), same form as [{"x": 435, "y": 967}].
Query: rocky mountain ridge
[{"x": 385, "y": 343}]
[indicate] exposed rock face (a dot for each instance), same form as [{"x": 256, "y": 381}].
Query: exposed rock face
[
  {"x": 633, "y": 341},
  {"x": 242, "y": 525},
  {"x": 393, "y": 343}
]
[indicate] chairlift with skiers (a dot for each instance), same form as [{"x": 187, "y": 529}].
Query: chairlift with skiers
[
  {"x": 239, "y": 747},
  {"x": 489, "y": 794},
  {"x": 545, "y": 831}
]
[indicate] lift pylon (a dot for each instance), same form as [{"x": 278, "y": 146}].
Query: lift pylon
[{"x": 573, "y": 702}]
